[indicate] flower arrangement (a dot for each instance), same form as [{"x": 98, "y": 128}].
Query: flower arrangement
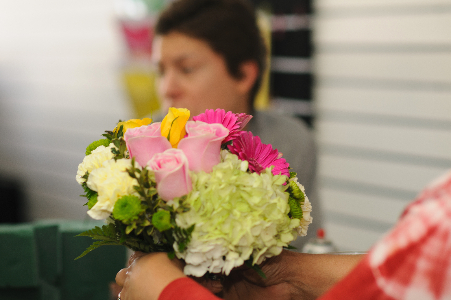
[{"x": 203, "y": 190}]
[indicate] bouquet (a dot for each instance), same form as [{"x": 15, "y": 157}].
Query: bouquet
[{"x": 204, "y": 191}]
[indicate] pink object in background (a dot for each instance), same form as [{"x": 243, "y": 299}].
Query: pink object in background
[{"x": 138, "y": 35}]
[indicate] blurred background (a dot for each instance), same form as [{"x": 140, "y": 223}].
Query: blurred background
[{"x": 373, "y": 79}]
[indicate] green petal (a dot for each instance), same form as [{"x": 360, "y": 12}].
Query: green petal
[
  {"x": 295, "y": 208},
  {"x": 296, "y": 192}
]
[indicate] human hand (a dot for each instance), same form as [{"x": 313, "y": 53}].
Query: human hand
[
  {"x": 246, "y": 283},
  {"x": 290, "y": 275},
  {"x": 147, "y": 275}
]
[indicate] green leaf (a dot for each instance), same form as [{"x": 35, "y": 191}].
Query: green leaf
[
  {"x": 106, "y": 232},
  {"x": 289, "y": 247},
  {"x": 92, "y": 201},
  {"x": 130, "y": 228},
  {"x": 139, "y": 230},
  {"x": 183, "y": 236},
  {"x": 169, "y": 133},
  {"x": 145, "y": 223},
  {"x": 120, "y": 132},
  {"x": 256, "y": 268},
  {"x": 107, "y": 235},
  {"x": 88, "y": 192},
  {"x": 108, "y": 135},
  {"x": 96, "y": 245}
]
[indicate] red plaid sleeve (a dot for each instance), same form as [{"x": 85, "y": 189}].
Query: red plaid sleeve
[{"x": 413, "y": 261}]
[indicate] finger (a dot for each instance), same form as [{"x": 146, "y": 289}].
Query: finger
[
  {"x": 213, "y": 286},
  {"x": 115, "y": 289},
  {"x": 135, "y": 256},
  {"x": 124, "y": 294},
  {"x": 121, "y": 276}
]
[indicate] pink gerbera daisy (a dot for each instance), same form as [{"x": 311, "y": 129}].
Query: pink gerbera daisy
[
  {"x": 260, "y": 156},
  {"x": 233, "y": 122}
]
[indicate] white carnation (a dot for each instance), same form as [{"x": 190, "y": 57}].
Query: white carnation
[
  {"x": 94, "y": 161},
  {"x": 306, "y": 217},
  {"x": 111, "y": 181}
]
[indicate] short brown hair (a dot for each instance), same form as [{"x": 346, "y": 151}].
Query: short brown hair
[{"x": 228, "y": 26}]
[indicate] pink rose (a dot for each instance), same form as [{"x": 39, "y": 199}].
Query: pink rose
[
  {"x": 145, "y": 141},
  {"x": 202, "y": 145},
  {"x": 171, "y": 173}
]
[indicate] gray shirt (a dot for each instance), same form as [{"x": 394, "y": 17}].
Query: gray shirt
[{"x": 295, "y": 140}]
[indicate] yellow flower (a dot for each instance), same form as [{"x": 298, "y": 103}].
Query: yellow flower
[
  {"x": 173, "y": 125},
  {"x": 132, "y": 123}
]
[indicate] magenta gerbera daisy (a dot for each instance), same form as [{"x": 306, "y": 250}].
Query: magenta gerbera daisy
[
  {"x": 260, "y": 156},
  {"x": 233, "y": 122}
]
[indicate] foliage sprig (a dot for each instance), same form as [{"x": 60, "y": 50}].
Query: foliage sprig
[
  {"x": 296, "y": 198},
  {"x": 139, "y": 233},
  {"x": 117, "y": 138}
]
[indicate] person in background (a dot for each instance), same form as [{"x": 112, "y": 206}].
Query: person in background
[
  {"x": 210, "y": 54},
  {"x": 412, "y": 261}
]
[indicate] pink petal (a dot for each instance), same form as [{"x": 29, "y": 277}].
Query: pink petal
[
  {"x": 260, "y": 156},
  {"x": 233, "y": 122}
]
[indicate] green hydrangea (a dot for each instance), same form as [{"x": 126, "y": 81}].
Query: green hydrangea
[
  {"x": 237, "y": 214},
  {"x": 127, "y": 208},
  {"x": 96, "y": 144}
]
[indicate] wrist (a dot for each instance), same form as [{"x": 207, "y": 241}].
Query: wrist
[
  {"x": 298, "y": 275},
  {"x": 312, "y": 275},
  {"x": 162, "y": 270}
]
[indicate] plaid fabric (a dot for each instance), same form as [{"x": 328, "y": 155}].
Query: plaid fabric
[{"x": 413, "y": 261}]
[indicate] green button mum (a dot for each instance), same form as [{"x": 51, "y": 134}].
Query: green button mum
[
  {"x": 96, "y": 144},
  {"x": 127, "y": 208},
  {"x": 162, "y": 220}
]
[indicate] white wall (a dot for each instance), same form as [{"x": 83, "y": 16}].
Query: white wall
[
  {"x": 383, "y": 105},
  {"x": 60, "y": 88}
]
